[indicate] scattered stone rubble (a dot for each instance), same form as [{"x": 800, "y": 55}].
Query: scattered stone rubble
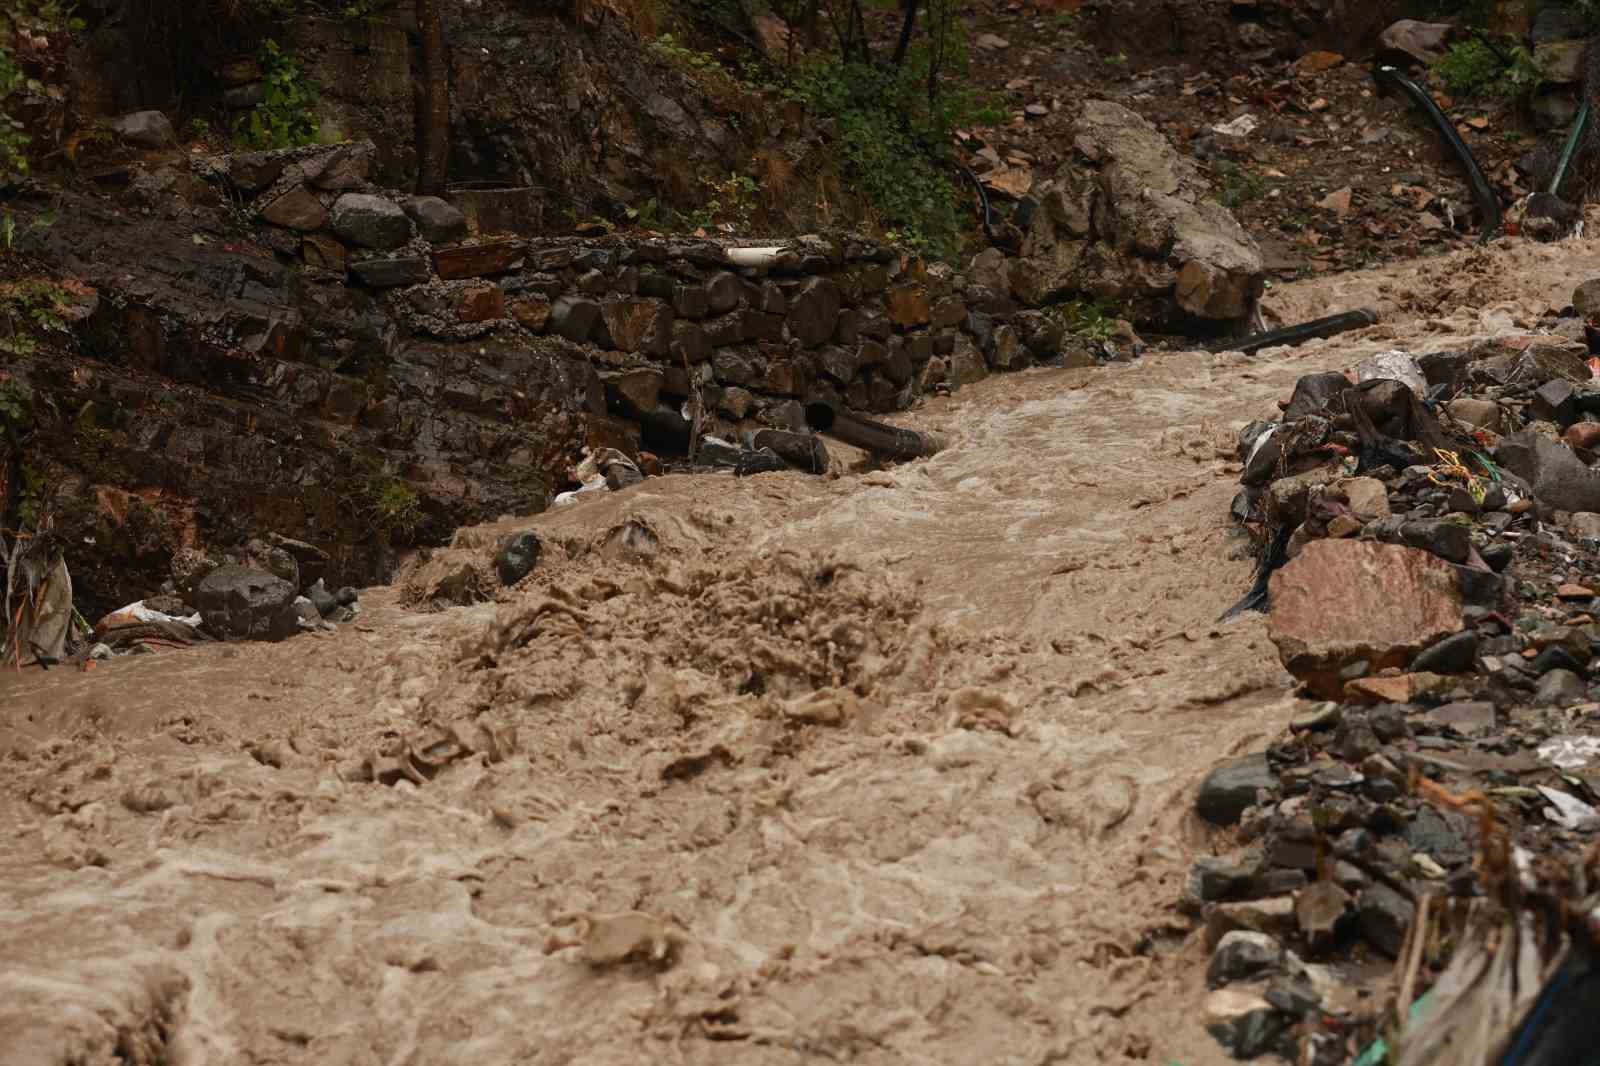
[
  {"x": 267, "y": 590},
  {"x": 1432, "y": 524}
]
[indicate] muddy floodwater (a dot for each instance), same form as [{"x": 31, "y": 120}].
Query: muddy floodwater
[{"x": 894, "y": 767}]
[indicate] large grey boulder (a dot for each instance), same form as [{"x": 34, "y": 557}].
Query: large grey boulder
[
  {"x": 239, "y": 603},
  {"x": 1559, "y": 478},
  {"x": 1131, "y": 221},
  {"x": 145, "y": 129},
  {"x": 438, "y": 221},
  {"x": 370, "y": 221}
]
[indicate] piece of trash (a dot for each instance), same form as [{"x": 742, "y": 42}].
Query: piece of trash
[
  {"x": 1569, "y": 811},
  {"x": 1242, "y": 126},
  {"x": 1569, "y": 751},
  {"x": 1394, "y": 366},
  {"x": 138, "y": 612},
  {"x": 595, "y": 484}
]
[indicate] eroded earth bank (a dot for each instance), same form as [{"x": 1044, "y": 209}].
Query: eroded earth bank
[{"x": 897, "y": 766}]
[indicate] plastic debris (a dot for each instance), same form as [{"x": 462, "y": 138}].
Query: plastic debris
[
  {"x": 1569, "y": 751},
  {"x": 1569, "y": 811},
  {"x": 1394, "y": 366},
  {"x": 1242, "y": 126},
  {"x": 597, "y": 483}
]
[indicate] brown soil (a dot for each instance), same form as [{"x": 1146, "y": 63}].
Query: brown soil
[
  {"x": 1323, "y": 125},
  {"x": 897, "y": 765}
]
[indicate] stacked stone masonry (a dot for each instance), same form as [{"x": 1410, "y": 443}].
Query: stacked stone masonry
[{"x": 275, "y": 344}]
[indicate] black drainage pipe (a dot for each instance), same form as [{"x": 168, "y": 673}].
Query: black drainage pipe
[
  {"x": 884, "y": 441},
  {"x": 1321, "y": 327},
  {"x": 1488, "y": 202}
]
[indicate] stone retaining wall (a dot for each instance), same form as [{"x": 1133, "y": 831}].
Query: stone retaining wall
[
  {"x": 837, "y": 318},
  {"x": 272, "y": 344}
]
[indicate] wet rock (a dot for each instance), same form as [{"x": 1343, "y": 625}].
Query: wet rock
[
  {"x": 1556, "y": 401},
  {"x": 324, "y": 601},
  {"x": 239, "y": 603},
  {"x": 1231, "y": 788},
  {"x": 532, "y": 313},
  {"x": 1384, "y": 915},
  {"x": 251, "y": 172},
  {"x": 1447, "y": 539},
  {"x": 909, "y": 305},
  {"x": 296, "y": 209},
  {"x": 1213, "y": 878},
  {"x": 144, "y": 129},
  {"x": 1586, "y": 299},
  {"x": 1343, "y": 601},
  {"x": 1560, "y": 62},
  {"x": 1242, "y": 956},
  {"x": 574, "y": 318},
  {"x": 437, "y": 221},
  {"x": 639, "y": 325},
  {"x": 1479, "y": 414},
  {"x": 342, "y": 169},
  {"x": 1244, "y": 1023},
  {"x": 722, "y": 293},
  {"x": 1452, "y": 655},
  {"x": 479, "y": 260},
  {"x": 1438, "y": 836},
  {"x": 634, "y": 393},
  {"x": 370, "y": 221},
  {"x": 484, "y": 302},
  {"x": 814, "y": 312},
  {"x": 1273, "y": 916},
  {"x": 1472, "y": 718},
  {"x": 1423, "y": 41},
  {"x": 1320, "y": 908},
  {"x": 323, "y": 253},
  {"x": 1169, "y": 247},
  {"x": 275, "y": 560},
  {"x": 1498, "y": 555},
  {"x": 838, "y": 363},
  {"x": 689, "y": 344},
  {"x": 1289, "y": 497},
  {"x": 1583, "y": 435},
  {"x": 1560, "y": 688},
  {"x": 391, "y": 273}
]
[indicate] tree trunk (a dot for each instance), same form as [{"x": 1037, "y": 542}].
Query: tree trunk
[{"x": 433, "y": 142}]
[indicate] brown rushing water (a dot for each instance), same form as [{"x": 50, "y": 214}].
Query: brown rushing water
[{"x": 900, "y": 763}]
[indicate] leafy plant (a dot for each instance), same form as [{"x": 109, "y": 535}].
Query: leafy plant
[
  {"x": 28, "y": 308},
  {"x": 894, "y": 140},
  {"x": 1474, "y": 68},
  {"x": 13, "y": 138},
  {"x": 1238, "y": 186},
  {"x": 1088, "y": 319},
  {"x": 731, "y": 203},
  {"x": 392, "y": 506},
  {"x": 287, "y": 116}
]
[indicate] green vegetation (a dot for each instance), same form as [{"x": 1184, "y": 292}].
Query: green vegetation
[
  {"x": 27, "y": 309},
  {"x": 25, "y": 25},
  {"x": 287, "y": 117},
  {"x": 392, "y": 507},
  {"x": 891, "y": 118},
  {"x": 731, "y": 201},
  {"x": 1088, "y": 319},
  {"x": 1473, "y": 68},
  {"x": 1237, "y": 186}
]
